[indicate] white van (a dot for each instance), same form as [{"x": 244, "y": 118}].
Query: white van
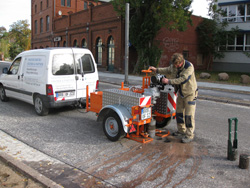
[{"x": 50, "y": 78}]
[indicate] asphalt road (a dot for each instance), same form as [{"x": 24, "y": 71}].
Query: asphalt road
[
  {"x": 229, "y": 95},
  {"x": 75, "y": 138},
  {"x": 226, "y": 96}
]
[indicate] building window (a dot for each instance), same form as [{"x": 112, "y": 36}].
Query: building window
[
  {"x": 35, "y": 26},
  {"x": 41, "y": 6},
  {"x": 235, "y": 13},
  {"x": 247, "y": 42},
  {"x": 63, "y": 3},
  {"x": 47, "y": 23},
  {"x": 84, "y": 43},
  {"x": 240, "y": 42},
  {"x": 230, "y": 46},
  {"x": 85, "y": 5},
  {"x": 47, "y": 3},
  {"x": 35, "y": 8},
  {"x": 99, "y": 51},
  {"x": 111, "y": 52},
  {"x": 232, "y": 13},
  {"x": 41, "y": 25},
  {"x": 240, "y": 13},
  {"x": 75, "y": 43},
  {"x": 68, "y": 3},
  {"x": 185, "y": 54},
  {"x": 248, "y": 13}
]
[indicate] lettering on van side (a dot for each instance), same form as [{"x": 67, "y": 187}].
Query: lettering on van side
[{"x": 34, "y": 66}]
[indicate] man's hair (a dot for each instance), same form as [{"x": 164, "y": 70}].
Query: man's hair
[{"x": 177, "y": 58}]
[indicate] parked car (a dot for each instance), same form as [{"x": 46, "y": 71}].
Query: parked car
[
  {"x": 50, "y": 78},
  {"x": 4, "y": 64}
]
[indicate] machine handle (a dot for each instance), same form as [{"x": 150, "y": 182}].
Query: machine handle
[{"x": 146, "y": 71}]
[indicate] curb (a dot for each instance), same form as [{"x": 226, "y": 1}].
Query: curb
[{"x": 28, "y": 171}]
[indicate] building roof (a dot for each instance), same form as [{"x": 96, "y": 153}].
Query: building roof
[{"x": 232, "y": 2}]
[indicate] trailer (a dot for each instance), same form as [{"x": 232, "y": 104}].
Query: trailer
[{"x": 134, "y": 112}]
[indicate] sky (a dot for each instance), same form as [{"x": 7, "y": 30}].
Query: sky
[{"x": 13, "y": 10}]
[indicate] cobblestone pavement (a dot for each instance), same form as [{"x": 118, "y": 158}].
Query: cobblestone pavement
[{"x": 10, "y": 177}]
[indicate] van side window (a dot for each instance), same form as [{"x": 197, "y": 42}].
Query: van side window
[
  {"x": 63, "y": 64},
  {"x": 15, "y": 66},
  {"x": 87, "y": 64}
]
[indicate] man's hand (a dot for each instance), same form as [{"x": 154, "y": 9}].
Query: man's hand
[
  {"x": 164, "y": 80},
  {"x": 152, "y": 68}
]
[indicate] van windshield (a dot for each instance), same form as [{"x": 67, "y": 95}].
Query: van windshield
[{"x": 63, "y": 64}]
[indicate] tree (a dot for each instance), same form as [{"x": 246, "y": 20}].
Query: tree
[
  {"x": 4, "y": 41},
  {"x": 2, "y": 31},
  {"x": 14, "y": 50},
  {"x": 20, "y": 35},
  {"x": 212, "y": 34},
  {"x": 147, "y": 17}
]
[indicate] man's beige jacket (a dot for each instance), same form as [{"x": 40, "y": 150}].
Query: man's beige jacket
[{"x": 182, "y": 78}]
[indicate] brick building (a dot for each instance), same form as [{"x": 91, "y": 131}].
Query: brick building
[
  {"x": 96, "y": 26},
  {"x": 182, "y": 42}
]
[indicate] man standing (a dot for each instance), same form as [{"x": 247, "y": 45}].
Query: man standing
[{"x": 183, "y": 78}]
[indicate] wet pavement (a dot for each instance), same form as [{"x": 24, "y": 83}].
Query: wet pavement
[{"x": 135, "y": 165}]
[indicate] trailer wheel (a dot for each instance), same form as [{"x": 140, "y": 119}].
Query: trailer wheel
[
  {"x": 162, "y": 122},
  {"x": 112, "y": 127},
  {"x": 40, "y": 109},
  {"x": 3, "y": 96}
]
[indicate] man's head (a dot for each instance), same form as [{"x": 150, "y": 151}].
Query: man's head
[{"x": 177, "y": 60}]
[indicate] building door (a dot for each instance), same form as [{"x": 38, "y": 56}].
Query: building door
[
  {"x": 111, "y": 54},
  {"x": 99, "y": 51}
]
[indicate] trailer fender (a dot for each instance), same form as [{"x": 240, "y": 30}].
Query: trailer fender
[{"x": 120, "y": 110}]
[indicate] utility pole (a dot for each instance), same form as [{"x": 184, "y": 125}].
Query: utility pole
[{"x": 126, "y": 43}]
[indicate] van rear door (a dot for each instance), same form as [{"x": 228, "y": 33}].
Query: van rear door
[
  {"x": 86, "y": 74},
  {"x": 63, "y": 77}
]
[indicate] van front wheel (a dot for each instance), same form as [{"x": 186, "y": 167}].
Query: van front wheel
[
  {"x": 3, "y": 96},
  {"x": 40, "y": 109}
]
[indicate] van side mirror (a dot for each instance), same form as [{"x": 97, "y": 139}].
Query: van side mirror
[{"x": 5, "y": 70}]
